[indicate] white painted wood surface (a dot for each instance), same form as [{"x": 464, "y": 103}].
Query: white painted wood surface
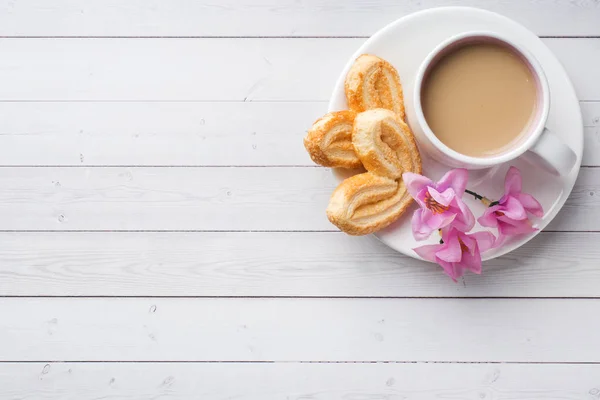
[
  {"x": 162, "y": 230},
  {"x": 268, "y": 17},
  {"x": 203, "y": 199},
  {"x": 292, "y": 329},
  {"x": 303, "y": 264},
  {"x": 194, "y": 133},
  {"x": 183, "y": 381},
  {"x": 188, "y": 69}
]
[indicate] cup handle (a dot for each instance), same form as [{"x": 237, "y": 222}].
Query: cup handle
[{"x": 552, "y": 154}]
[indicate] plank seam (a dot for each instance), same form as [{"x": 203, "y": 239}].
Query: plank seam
[
  {"x": 243, "y": 37},
  {"x": 212, "y": 231},
  {"x": 188, "y": 101},
  {"x": 180, "y": 166},
  {"x": 287, "y": 297},
  {"x": 294, "y": 362},
  {"x": 157, "y": 166},
  {"x": 185, "y": 166},
  {"x": 180, "y": 101},
  {"x": 240, "y": 100},
  {"x": 165, "y": 231}
]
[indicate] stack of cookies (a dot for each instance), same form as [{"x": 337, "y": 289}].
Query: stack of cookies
[{"x": 372, "y": 134}]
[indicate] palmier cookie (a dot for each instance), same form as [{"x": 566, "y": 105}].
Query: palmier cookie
[
  {"x": 374, "y": 83},
  {"x": 385, "y": 144},
  {"x": 329, "y": 140},
  {"x": 366, "y": 203}
]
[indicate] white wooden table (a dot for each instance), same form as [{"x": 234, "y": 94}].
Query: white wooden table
[{"x": 163, "y": 231}]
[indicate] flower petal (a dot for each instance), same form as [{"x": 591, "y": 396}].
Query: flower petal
[
  {"x": 513, "y": 181},
  {"x": 456, "y": 179},
  {"x": 444, "y": 198},
  {"x": 465, "y": 220},
  {"x": 513, "y": 209},
  {"x": 507, "y": 227},
  {"x": 531, "y": 204},
  {"x": 472, "y": 262},
  {"x": 468, "y": 242},
  {"x": 424, "y": 222},
  {"x": 415, "y": 183},
  {"x": 501, "y": 240},
  {"x": 420, "y": 229},
  {"x": 449, "y": 269},
  {"x": 420, "y": 197},
  {"x": 427, "y": 252},
  {"x": 438, "y": 221},
  {"x": 489, "y": 218},
  {"x": 485, "y": 240},
  {"x": 450, "y": 250}
]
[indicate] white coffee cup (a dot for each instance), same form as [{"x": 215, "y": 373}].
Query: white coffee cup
[{"x": 538, "y": 144}]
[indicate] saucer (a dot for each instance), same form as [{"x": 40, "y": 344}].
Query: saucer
[{"x": 405, "y": 43}]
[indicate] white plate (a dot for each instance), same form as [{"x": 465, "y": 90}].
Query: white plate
[{"x": 405, "y": 44}]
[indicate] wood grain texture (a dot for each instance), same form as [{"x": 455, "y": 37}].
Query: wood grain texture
[
  {"x": 209, "y": 69},
  {"x": 269, "y": 17},
  {"x": 279, "y": 264},
  {"x": 209, "y": 103},
  {"x": 590, "y": 112},
  {"x": 211, "y": 198},
  {"x": 591, "y": 141},
  {"x": 156, "y": 133},
  {"x": 243, "y": 381},
  {"x": 171, "y": 69},
  {"x": 470, "y": 330},
  {"x": 178, "y": 133}
]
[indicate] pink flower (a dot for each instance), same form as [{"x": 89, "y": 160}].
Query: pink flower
[
  {"x": 441, "y": 203},
  {"x": 510, "y": 214},
  {"x": 459, "y": 251}
]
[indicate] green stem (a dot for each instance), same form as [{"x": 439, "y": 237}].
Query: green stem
[{"x": 477, "y": 196}]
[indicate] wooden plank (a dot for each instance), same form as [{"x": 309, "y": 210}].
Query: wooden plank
[
  {"x": 222, "y": 199},
  {"x": 570, "y": 57},
  {"x": 591, "y": 146},
  {"x": 171, "y": 69},
  {"x": 269, "y": 17},
  {"x": 246, "y": 381},
  {"x": 295, "y": 264},
  {"x": 590, "y": 112},
  {"x": 174, "y": 329},
  {"x": 156, "y": 133},
  {"x": 581, "y": 204},
  {"x": 186, "y": 69},
  {"x": 175, "y": 133}
]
